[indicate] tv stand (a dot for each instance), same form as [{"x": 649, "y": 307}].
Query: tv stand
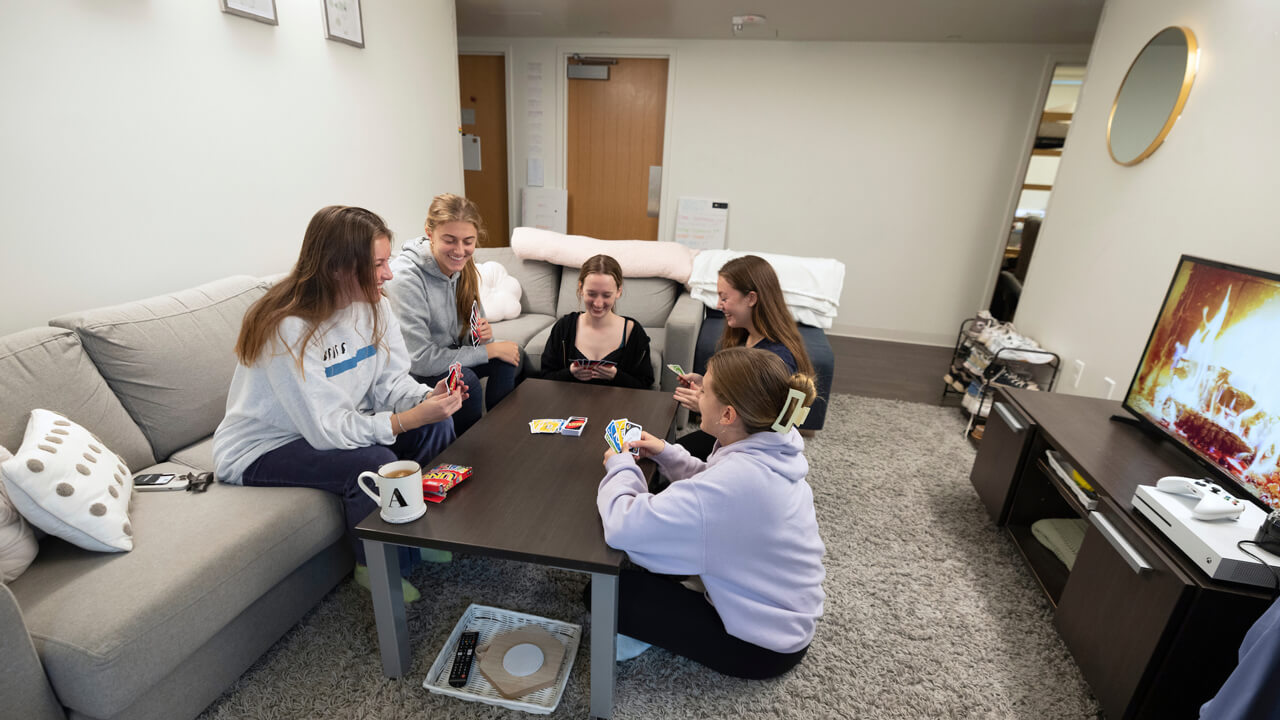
[
  {"x": 1125, "y": 419},
  {"x": 1153, "y": 635}
]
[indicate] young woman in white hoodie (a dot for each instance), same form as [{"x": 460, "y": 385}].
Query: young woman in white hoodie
[
  {"x": 742, "y": 524},
  {"x": 322, "y": 391}
]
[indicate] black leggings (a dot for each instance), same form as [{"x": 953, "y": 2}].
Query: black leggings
[{"x": 658, "y": 610}]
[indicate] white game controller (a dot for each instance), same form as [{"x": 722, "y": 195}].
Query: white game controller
[{"x": 1215, "y": 503}]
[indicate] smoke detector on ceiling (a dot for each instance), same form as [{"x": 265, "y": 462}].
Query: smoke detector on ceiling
[{"x": 742, "y": 21}]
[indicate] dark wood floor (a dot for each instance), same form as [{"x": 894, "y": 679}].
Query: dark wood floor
[{"x": 893, "y": 370}]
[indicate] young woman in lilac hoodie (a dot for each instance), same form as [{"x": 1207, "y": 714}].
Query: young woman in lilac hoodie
[{"x": 740, "y": 525}]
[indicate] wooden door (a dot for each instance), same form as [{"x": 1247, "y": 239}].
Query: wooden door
[
  {"x": 482, "y": 82},
  {"x": 615, "y": 135}
]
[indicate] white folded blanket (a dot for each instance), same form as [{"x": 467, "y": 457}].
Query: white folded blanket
[
  {"x": 638, "y": 258},
  {"x": 810, "y": 286}
]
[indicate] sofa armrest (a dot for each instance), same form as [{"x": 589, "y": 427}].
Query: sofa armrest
[
  {"x": 24, "y": 689},
  {"x": 683, "y": 325}
]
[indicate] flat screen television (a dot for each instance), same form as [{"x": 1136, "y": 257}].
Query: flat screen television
[{"x": 1209, "y": 378}]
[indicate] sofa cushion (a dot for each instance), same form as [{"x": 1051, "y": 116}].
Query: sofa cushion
[
  {"x": 198, "y": 456},
  {"x": 648, "y": 300},
  {"x": 170, "y": 358},
  {"x": 109, "y": 628},
  {"x": 48, "y": 368},
  {"x": 18, "y": 546},
  {"x": 539, "y": 281},
  {"x": 68, "y": 483}
]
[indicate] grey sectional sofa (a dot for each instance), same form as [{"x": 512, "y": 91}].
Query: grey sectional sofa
[{"x": 214, "y": 578}]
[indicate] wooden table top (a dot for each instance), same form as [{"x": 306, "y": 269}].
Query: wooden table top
[{"x": 532, "y": 497}]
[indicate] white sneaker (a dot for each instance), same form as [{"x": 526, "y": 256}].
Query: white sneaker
[{"x": 629, "y": 647}]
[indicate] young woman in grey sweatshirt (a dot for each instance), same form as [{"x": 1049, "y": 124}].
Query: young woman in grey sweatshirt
[{"x": 435, "y": 288}]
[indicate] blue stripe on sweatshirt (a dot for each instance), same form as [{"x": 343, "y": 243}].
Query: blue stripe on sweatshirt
[{"x": 363, "y": 353}]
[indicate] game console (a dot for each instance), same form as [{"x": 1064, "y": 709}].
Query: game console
[
  {"x": 1211, "y": 544},
  {"x": 1214, "y": 502}
]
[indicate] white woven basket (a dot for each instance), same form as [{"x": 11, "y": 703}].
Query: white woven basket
[{"x": 489, "y": 622}]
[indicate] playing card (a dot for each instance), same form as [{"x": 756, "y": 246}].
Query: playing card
[
  {"x": 611, "y": 436},
  {"x": 574, "y": 426},
  {"x": 631, "y": 434},
  {"x": 475, "y": 318},
  {"x": 546, "y": 425},
  {"x": 455, "y": 376},
  {"x": 675, "y": 369}
]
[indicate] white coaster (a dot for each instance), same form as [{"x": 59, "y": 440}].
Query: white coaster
[{"x": 523, "y": 659}]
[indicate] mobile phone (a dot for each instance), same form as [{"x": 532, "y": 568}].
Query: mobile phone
[{"x": 154, "y": 482}]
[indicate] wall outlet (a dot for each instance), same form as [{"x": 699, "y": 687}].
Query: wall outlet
[
  {"x": 1077, "y": 372},
  {"x": 1111, "y": 386}
]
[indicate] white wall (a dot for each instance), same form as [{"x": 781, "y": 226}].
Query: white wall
[
  {"x": 1113, "y": 234},
  {"x": 898, "y": 159},
  {"x": 148, "y": 147}
]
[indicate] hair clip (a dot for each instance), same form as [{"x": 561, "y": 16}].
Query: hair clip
[{"x": 798, "y": 414}]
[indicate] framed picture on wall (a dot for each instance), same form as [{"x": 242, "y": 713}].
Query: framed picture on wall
[
  {"x": 342, "y": 22},
  {"x": 260, "y": 10}
]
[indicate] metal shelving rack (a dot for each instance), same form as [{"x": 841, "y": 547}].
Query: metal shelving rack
[{"x": 1044, "y": 370}]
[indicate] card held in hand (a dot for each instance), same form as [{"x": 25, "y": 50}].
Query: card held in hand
[
  {"x": 455, "y": 377},
  {"x": 475, "y": 318}
]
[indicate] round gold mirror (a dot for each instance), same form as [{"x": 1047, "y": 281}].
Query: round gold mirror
[{"x": 1152, "y": 95}]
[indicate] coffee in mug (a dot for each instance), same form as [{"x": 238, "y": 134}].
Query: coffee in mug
[{"x": 399, "y": 495}]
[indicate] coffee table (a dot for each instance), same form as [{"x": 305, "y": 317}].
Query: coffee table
[{"x": 530, "y": 498}]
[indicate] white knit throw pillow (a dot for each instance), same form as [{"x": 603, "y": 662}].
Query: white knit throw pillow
[{"x": 68, "y": 483}]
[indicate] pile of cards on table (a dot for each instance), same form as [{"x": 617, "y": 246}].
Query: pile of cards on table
[
  {"x": 438, "y": 480},
  {"x": 556, "y": 426},
  {"x": 620, "y": 431}
]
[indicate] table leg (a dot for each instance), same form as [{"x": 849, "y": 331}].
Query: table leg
[
  {"x": 388, "y": 606},
  {"x": 604, "y": 641}
]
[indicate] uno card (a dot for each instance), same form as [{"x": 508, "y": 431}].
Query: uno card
[
  {"x": 455, "y": 376},
  {"x": 611, "y": 436},
  {"x": 631, "y": 434},
  {"x": 547, "y": 426},
  {"x": 675, "y": 369},
  {"x": 475, "y": 318},
  {"x": 574, "y": 426}
]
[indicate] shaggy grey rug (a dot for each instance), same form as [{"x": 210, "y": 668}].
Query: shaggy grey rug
[{"x": 930, "y": 612}]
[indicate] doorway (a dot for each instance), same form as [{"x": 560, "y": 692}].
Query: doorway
[
  {"x": 614, "y": 145},
  {"x": 482, "y": 85},
  {"x": 1037, "y": 187}
]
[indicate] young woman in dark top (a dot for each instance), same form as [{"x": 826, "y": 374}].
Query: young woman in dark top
[
  {"x": 755, "y": 316},
  {"x": 598, "y": 334}
]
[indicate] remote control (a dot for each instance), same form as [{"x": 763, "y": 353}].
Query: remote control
[{"x": 462, "y": 658}]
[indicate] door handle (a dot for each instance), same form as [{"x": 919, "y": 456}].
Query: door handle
[{"x": 655, "y": 191}]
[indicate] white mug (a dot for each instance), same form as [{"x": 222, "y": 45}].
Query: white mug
[{"x": 399, "y": 490}]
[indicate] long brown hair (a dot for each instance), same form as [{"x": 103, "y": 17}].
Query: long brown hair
[
  {"x": 755, "y": 383},
  {"x": 770, "y": 316},
  {"x": 338, "y": 245},
  {"x": 447, "y": 208}
]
